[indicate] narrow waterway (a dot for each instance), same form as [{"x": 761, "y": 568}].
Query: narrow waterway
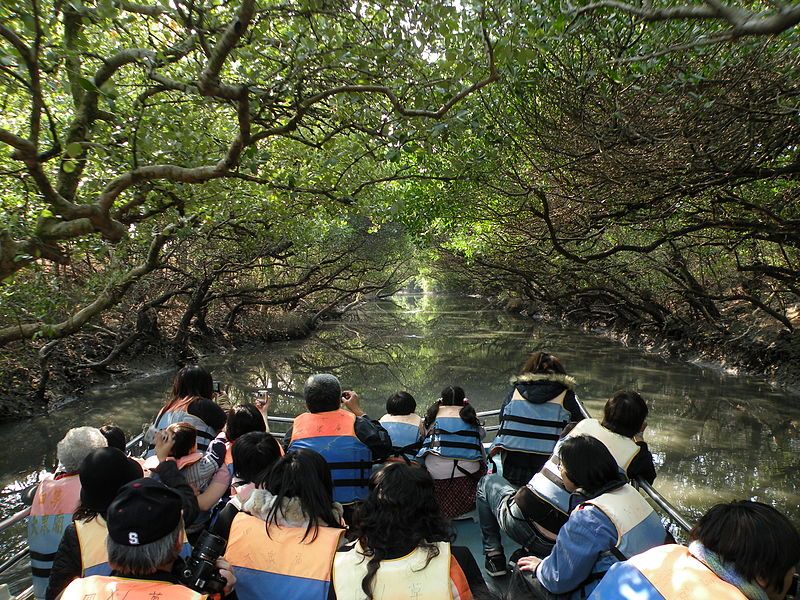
[{"x": 715, "y": 436}]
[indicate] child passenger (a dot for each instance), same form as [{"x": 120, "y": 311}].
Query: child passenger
[
  {"x": 403, "y": 424},
  {"x": 452, "y": 451}
]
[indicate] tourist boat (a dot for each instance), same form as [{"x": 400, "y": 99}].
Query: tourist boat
[{"x": 467, "y": 530}]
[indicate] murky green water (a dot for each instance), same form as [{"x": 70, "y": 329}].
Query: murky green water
[{"x": 714, "y": 436}]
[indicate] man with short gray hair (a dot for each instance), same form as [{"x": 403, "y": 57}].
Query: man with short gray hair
[{"x": 337, "y": 428}]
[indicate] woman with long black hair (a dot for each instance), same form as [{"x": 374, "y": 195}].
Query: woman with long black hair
[
  {"x": 283, "y": 543},
  {"x": 403, "y": 546},
  {"x": 191, "y": 401}
]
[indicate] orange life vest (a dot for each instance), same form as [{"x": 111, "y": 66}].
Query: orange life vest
[
  {"x": 55, "y": 500},
  {"x": 333, "y": 435},
  {"x": 99, "y": 587},
  {"x": 664, "y": 573},
  {"x": 281, "y": 564}
]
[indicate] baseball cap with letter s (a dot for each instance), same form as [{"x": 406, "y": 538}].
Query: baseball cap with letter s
[{"x": 144, "y": 511}]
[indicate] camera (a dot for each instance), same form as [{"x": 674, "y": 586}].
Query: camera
[
  {"x": 149, "y": 434},
  {"x": 216, "y": 387},
  {"x": 199, "y": 571}
]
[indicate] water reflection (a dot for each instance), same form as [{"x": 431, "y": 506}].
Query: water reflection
[{"x": 714, "y": 436}]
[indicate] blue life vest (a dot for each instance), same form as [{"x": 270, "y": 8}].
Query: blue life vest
[
  {"x": 205, "y": 433},
  {"x": 529, "y": 427},
  {"x": 404, "y": 433},
  {"x": 451, "y": 437},
  {"x": 333, "y": 435}
]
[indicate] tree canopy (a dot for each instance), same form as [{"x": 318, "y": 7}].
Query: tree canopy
[{"x": 190, "y": 169}]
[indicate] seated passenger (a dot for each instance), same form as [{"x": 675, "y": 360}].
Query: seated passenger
[
  {"x": 533, "y": 515},
  {"x": 533, "y": 415},
  {"x": 739, "y": 551},
  {"x": 254, "y": 454},
  {"x": 145, "y": 532},
  {"x": 612, "y": 522},
  {"x": 191, "y": 402},
  {"x": 402, "y": 551},
  {"x": 283, "y": 545},
  {"x": 82, "y": 550},
  {"x": 337, "y": 428},
  {"x": 241, "y": 419},
  {"x": 209, "y": 479},
  {"x": 403, "y": 424},
  {"x": 115, "y": 437},
  {"x": 452, "y": 451},
  {"x": 56, "y": 498}
]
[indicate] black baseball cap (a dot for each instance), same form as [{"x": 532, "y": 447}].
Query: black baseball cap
[
  {"x": 102, "y": 473},
  {"x": 143, "y": 512}
]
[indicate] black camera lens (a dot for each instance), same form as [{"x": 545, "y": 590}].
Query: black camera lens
[
  {"x": 209, "y": 547},
  {"x": 199, "y": 571}
]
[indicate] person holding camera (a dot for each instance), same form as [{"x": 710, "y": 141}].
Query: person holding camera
[
  {"x": 145, "y": 536},
  {"x": 337, "y": 428}
]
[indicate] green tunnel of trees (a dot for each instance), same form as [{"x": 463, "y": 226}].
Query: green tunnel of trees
[{"x": 180, "y": 170}]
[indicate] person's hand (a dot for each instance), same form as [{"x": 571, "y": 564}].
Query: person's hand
[
  {"x": 350, "y": 402},
  {"x": 639, "y": 437},
  {"x": 262, "y": 402},
  {"x": 226, "y": 571},
  {"x": 164, "y": 443},
  {"x": 528, "y": 563}
]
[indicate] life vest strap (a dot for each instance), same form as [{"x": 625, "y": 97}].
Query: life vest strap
[
  {"x": 553, "y": 478},
  {"x": 41, "y": 556},
  {"x": 462, "y": 432},
  {"x": 466, "y": 445},
  {"x": 40, "y": 572},
  {"x": 529, "y": 434},
  {"x": 532, "y": 421}
]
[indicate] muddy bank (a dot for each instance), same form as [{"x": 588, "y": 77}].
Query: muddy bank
[
  {"x": 39, "y": 378},
  {"x": 740, "y": 345}
]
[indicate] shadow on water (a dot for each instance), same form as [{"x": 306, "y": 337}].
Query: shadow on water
[{"x": 714, "y": 436}]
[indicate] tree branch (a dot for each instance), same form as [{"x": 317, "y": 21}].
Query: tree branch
[{"x": 109, "y": 297}]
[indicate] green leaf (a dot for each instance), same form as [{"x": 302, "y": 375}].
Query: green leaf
[
  {"x": 73, "y": 150},
  {"x": 87, "y": 84},
  {"x": 69, "y": 166}
]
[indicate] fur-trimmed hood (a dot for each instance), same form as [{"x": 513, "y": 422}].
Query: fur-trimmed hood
[
  {"x": 290, "y": 514},
  {"x": 566, "y": 380}
]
